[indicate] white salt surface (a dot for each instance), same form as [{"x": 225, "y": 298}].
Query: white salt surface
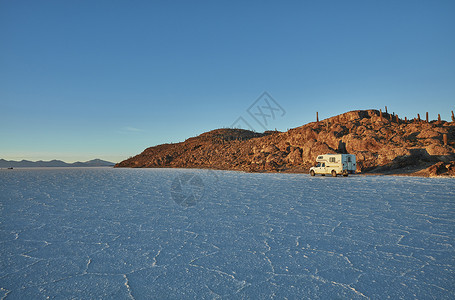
[{"x": 168, "y": 233}]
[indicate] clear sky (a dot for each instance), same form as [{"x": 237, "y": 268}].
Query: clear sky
[{"x": 107, "y": 79}]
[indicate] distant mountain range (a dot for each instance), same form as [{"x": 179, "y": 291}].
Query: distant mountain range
[{"x": 53, "y": 163}]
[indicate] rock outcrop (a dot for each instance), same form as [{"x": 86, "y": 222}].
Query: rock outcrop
[{"x": 383, "y": 143}]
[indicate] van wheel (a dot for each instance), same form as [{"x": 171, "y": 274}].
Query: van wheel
[
  {"x": 345, "y": 173},
  {"x": 334, "y": 173},
  {"x": 312, "y": 173}
]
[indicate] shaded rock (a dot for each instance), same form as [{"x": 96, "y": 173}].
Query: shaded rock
[
  {"x": 438, "y": 169},
  {"x": 295, "y": 156}
]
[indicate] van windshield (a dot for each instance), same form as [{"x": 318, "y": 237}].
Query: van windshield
[{"x": 318, "y": 165}]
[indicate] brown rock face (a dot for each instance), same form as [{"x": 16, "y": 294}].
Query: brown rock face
[
  {"x": 386, "y": 145},
  {"x": 438, "y": 169}
]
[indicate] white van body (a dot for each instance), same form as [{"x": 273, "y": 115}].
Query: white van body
[{"x": 334, "y": 164}]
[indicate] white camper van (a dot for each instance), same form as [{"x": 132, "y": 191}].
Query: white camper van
[{"x": 334, "y": 164}]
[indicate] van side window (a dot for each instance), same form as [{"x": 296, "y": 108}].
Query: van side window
[{"x": 332, "y": 159}]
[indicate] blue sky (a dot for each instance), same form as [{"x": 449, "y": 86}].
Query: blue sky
[{"x": 106, "y": 79}]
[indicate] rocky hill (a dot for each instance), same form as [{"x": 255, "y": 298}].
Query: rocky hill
[{"x": 382, "y": 142}]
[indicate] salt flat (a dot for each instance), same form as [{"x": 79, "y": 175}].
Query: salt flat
[{"x": 170, "y": 233}]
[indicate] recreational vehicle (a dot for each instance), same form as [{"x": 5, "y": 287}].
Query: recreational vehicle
[{"x": 335, "y": 164}]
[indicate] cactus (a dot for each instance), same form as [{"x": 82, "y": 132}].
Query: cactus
[
  {"x": 439, "y": 118},
  {"x": 406, "y": 119},
  {"x": 453, "y": 117},
  {"x": 397, "y": 119},
  {"x": 444, "y": 137},
  {"x": 418, "y": 117},
  {"x": 317, "y": 117},
  {"x": 427, "y": 117},
  {"x": 386, "y": 109},
  {"x": 380, "y": 114}
]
